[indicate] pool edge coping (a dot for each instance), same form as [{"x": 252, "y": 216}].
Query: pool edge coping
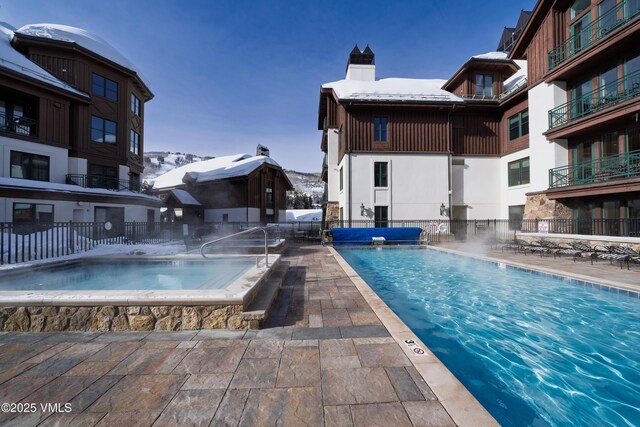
[
  {"x": 236, "y": 293},
  {"x": 463, "y": 408}
]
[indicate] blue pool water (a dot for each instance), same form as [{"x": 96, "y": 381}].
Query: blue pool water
[
  {"x": 534, "y": 349},
  {"x": 131, "y": 275}
]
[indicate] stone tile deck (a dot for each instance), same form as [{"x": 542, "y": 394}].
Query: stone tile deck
[
  {"x": 329, "y": 355},
  {"x": 324, "y": 358}
]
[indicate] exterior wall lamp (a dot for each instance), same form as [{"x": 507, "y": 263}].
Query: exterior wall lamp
[
  {"x": 443, "y": 210},
  {"x": 362, "y": 209}
]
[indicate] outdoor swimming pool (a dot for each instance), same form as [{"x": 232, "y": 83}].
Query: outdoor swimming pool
[
  {"x": 131, "y": 275},
  {"x": 534, "y": 349}
]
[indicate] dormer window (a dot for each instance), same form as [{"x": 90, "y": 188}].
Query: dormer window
[
  {"x": 104, "y": 87},
  {"x": 484, "y": 85},
  {"x": 380, "y": 129}
]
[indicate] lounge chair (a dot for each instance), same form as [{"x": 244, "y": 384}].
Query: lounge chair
[{"x": 618, "y": 254}]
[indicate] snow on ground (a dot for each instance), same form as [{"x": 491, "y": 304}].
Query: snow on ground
[
  {"x": 171, "y": 248},
  {"x": 304, "y": 214}
]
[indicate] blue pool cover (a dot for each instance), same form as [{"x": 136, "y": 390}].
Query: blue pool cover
[{"x": 363, "y": 236}]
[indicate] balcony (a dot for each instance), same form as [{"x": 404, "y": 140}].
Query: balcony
[
  {"x": 599, "y": 99},
  {"x": 18, "y": 125},
  {"x": 625, "y": 165},
  {"x": 108, "y": 183},
  {"x": 599, "y": 29}
]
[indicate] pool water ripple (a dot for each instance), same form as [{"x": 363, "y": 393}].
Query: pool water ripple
[{"x": 534, "y": 349}]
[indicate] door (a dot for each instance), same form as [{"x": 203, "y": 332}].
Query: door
[{"x": 381, "y": 217}]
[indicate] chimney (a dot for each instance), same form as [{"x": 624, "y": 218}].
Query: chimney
[
  {"x": 361, "y": 64},
  {"x": 261, "y": 150}
]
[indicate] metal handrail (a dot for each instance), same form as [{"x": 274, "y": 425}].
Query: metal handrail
[
  {"x": 616, "y": 166},
  {"x": 248, "y": 231}
]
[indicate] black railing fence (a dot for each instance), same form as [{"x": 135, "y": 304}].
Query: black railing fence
[{"x": 22, "y": 242}]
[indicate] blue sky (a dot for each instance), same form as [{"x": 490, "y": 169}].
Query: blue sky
[{"x": 228, "y": 75}]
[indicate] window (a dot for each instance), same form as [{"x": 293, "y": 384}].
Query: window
[
  {"x": 31, "y": 212},
  {"x": 519, "y": 125},
  {"x": 134, "y": 142},
  {"x": 104, "y": 87},
  {"x": 380, "y": 174},
  {"x": 607, "y": 85},
  {"x": 580, "y": 100},
  {"x": 519, "y": 172},
  {"x": 135, "y": 105},
  {"x": 269, "y": 193},
  {"x": 632, "y": 74},
  {"x": 583, "y": 161},
  {"x": 578, "y": 6},
  {"x": 381, "y": 216},
  {"x": 380, "y": 129},
  {"x": 341, "y": 180},
  {"x": 29, "y": 166},
  {"x": 607, "y": 19},
  {"x": 484, "y": 84},
  {"x": 516, "y": 213},
  {"x": 579, "y": 34},
  {"x": 103, "y": 130},
  {"x": 633, "y": 139},
  {"x": 583, "y": 219},
  {"x": 341, "y": 215},
  {"x": 103, "y": 177},
  {"x": 610, "y": 145}
]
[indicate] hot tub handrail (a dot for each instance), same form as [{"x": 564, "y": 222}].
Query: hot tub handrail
[{"x": 247, "y": 231}]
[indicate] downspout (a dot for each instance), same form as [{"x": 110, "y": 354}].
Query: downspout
[{"x": 348, "y": 152}]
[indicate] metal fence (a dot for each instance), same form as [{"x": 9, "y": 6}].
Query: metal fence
[{"x": 21, "y": 242}]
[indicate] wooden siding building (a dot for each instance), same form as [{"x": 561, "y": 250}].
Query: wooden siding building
[{"x": 71, "y": 128}]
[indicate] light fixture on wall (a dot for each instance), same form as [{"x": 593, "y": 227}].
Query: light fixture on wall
[
  {"x": 443, "y": 209},
  {"x": 362, "y": 209}
]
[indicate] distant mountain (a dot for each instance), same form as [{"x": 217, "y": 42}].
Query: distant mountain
[{"x": 157, "y": 163}]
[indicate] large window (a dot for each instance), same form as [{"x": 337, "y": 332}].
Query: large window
[
  {"x": 380, "y": 174},
  {"x": 579, "y": 34},
  {"x": 341, "y": 180},
  {"x": 29, "y": 166},
  {"x": 103, "y": 130},
  {"x": 380, "y": 129},
  {"x": 135, "y": 105},
  {"x": 32, "y": 212},
  {"x": 519, "y": 125},
  {"x": 484, "y": 84},
  {"x": 578, "y": 6},
  {"x": 633, "y": 139},
  {"x": 610, "y": 145},
  {"x": 381, "y": 217},
  {"x": 104, "y": 87},
  {"x": 580, "y": 103},
  {"x": 134, "y": 142},
  {"x": 103, "y": 177},
  {"x": 519, "y": 172}
]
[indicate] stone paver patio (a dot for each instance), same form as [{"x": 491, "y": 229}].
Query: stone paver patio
[{"x": 324, "y": 358}]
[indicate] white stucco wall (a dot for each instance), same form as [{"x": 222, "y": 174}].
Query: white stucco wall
[
  {"x": 544, "y": 154},
  {"x": 476, "y": 185},
  {"x": 516, "y": 195},
  {"x": 235, "y": 214},
  {"x": 417, "y": 185},
  {"x": 333, "y": 176},
  {"x": 58, "y": 157},
  {"x": 78, "y": 166}
]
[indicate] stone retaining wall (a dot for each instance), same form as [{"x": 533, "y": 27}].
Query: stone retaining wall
[{"x": 118, "y": 318}]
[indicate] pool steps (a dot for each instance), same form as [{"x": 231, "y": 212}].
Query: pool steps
[{"x": 257, "y": 311}]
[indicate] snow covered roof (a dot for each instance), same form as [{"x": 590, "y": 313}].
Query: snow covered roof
[
  {"x": 211, "y": 170},
  {"x": 304, "y": 214},
  {"x": 393, "y": 89},
  {"x": 13, "y": 60},
  {"x": 517, "y": 80},
  {"x": 68, "y": 188},
  {"x": 492, "y": 55},
  {"x": 184, "y": 197},
  {"x": 83, "y": 38}
]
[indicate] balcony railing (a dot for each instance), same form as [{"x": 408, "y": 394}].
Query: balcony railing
[
  {"x": 597, "y": 30},
  {"x": 18, "y": 124},
  {"x": 611, "y": 93},
  {"x": 108, "y": 183},
  {"x": 611, "y": 167}
]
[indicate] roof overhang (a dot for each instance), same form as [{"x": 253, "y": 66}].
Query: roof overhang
[{"x": 535, "y": 20}]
